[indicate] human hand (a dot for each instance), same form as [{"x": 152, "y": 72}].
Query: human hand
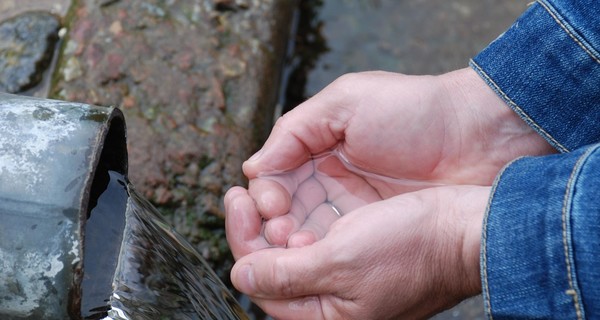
[
  {"x": 409, "y": 256},
  {"x": 298, "y": 206},
  {"x": 401, "y": 133},
  {"x": 449, "y": 129}
]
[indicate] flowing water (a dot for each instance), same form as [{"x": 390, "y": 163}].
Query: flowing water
[{"x": 158, "y": 274}]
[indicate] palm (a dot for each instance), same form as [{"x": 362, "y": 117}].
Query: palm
[
  {"x": 420, "y": 242},
  {"x": 302, "y": 203},
  {"x": 383, "y": 135},
  {"x": 397, "y": 133},
  {"x": 419, "y": 128}
]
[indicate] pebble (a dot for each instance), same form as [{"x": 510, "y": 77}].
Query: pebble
[{"x": 26, "y": 46}]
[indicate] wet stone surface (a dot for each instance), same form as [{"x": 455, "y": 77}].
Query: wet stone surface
[
  {"x": 12, "y": 8},
  {"x": 410, "y": 36},
  {"x": 26, "y": 45},
  {"x": 197, "y": 81}
]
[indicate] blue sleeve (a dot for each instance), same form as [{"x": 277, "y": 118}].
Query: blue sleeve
[
  {"x": 541, "y": 241},
  {"x": 546, "y": 67}
]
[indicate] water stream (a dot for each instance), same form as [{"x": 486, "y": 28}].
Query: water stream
[{"x": 157, "y": 273}]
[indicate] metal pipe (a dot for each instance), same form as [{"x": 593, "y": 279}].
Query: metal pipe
[{"x": 49, "y": 153}]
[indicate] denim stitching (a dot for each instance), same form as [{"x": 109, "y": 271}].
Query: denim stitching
[
  {"x": 573, "y": 290},
  {"x": 518, "y": 109},
  {"x": 484, "y": 281},
  {"x": 570, "y": 31}
]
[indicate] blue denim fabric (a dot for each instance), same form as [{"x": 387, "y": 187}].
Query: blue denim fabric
[
  {"x": 541, "y": 240},
  {"x": 546, "y": 67}
]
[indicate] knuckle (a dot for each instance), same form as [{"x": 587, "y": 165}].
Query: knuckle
[
  {"x": 281, "y": 122},
  {"x": 411, "y": 200},
  {"x": 282, "y": 284},
  {"x": 346, "y": 81}
]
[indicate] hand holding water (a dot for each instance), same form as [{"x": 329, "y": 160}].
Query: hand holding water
[
  {"x": 296, "y": 208},
  {"x": 450, "y": 129},
  {"x": 408, "y": 256},
  {"x": 421, "y": 131}
]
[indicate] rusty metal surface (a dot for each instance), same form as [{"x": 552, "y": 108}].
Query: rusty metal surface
[{"x": 48, "y": 153}]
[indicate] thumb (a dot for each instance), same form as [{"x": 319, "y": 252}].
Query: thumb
[
  {"x": 278, "y": 273},
  {"x": 311, "y": 128}
]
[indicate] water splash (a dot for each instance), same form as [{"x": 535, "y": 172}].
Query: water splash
[{"x": 159, "y": 275}]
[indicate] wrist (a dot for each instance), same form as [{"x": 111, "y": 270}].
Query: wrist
[
  {"x": 497, "y": 121},
  {"x": 459, "y": 227},
  {"x": 488, "y": 128},
  {"x": 475, "y": 205}
]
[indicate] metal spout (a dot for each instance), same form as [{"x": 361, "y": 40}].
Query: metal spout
[{"x": 49, "y": 154}]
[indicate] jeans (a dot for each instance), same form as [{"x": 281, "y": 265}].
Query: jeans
[{"x": 540, "y": 255}]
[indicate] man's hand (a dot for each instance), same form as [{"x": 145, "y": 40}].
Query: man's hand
[
  {"x": 400, "y": 250},
  {"x": 299, "y": 205},
  {"x": 409, "y": 256},
  {"x": 401, "y": 134},
  {"x": 451, "y": 129}
]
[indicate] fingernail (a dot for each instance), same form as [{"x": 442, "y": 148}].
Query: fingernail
[
  {"x": 257, "y": 155},
  {"x": 246, "y": 279}
]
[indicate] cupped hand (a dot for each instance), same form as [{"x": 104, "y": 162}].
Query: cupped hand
[
  {"x": 392, "y": 253},
  {"x": 450, "y": 129},
  {"x": 408, "y": 256},
  {"x": 394, "y": 133},
  {"x": 297, "y": 207}
]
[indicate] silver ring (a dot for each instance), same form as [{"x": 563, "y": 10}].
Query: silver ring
[{"x": 335, "y": 209}]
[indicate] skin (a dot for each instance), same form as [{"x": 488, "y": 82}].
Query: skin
[
  {"x": 353, "y": 273},
  {"x": 401, "y": 249}
]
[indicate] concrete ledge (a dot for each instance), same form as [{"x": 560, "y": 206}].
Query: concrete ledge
[{"x": 197, "y": 81}]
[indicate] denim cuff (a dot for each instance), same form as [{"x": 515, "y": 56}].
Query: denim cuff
[
  {"x": 540, "y": 239},
  {"x": 546, "y": 67}
]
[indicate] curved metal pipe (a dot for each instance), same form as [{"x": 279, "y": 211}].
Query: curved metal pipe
[{"x": 49, "y": 153}]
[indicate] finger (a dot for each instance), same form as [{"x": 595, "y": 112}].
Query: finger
[
  {"x": 270, "y": 197},
  {"x": 311, "y": 128},
  {"x": 309, "y": 195},
  {"x": 278, "y": 273},
  {"x": 278, "y": 230},
  {"x": 346, "y": 190},
  {"x": 315, "y": 227},
  {"x": 272, "y": 193},
  {"x": 291, "y": 309},
  {"x": 242, "y": 223}
]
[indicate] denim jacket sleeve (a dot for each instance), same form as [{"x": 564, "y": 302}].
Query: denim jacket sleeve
[
  {"x": 546, "y": 67},
  {"x": 541, "y": 240},
  {"x": 540, "y": 254}
]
